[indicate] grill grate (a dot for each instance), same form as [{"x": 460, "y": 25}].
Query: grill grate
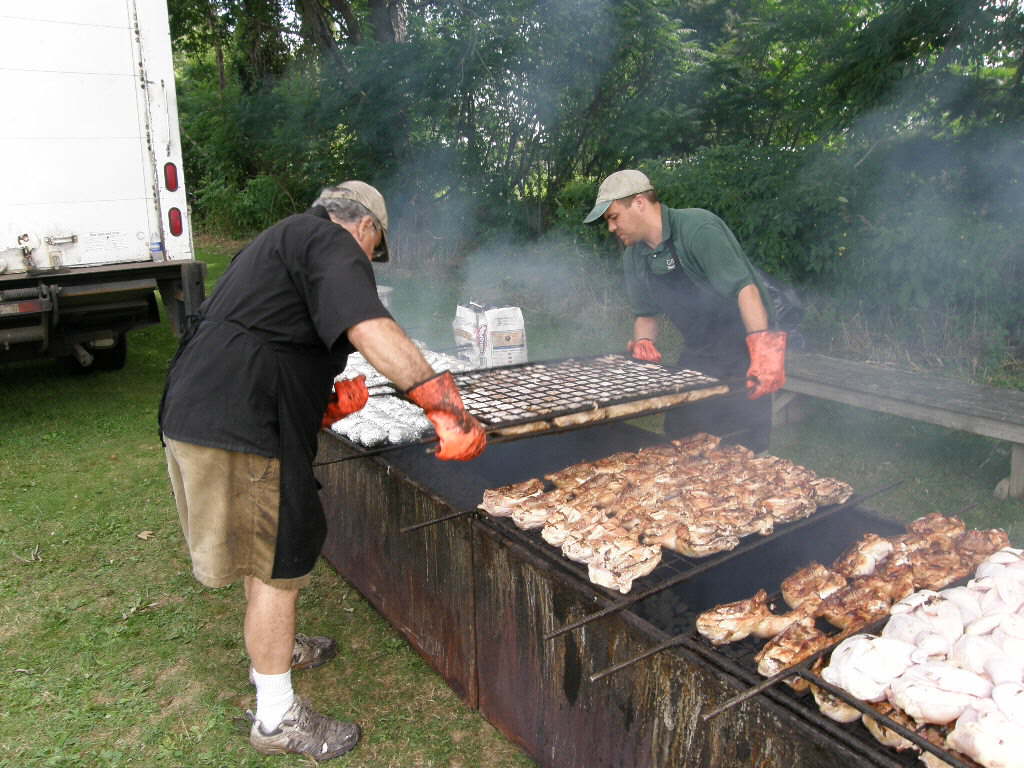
[{"x": 526, "y": 392}]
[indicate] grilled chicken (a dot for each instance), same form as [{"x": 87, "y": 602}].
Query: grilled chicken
[
  {"x": 501, "y": 501},
  {"x": 693, "y": 496},
  {"x": 811, "y": 584},
  {"x": 863, "y": 556},
  {"x": 886, "y": 736},
  {"x": 798, "y": 641},
  {"x": 731, "y": 622}
]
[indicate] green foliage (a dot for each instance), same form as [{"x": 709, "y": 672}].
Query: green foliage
[{"x": 849, "y": 144}]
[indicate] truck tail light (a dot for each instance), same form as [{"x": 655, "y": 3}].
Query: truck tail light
[
  {"x": 174, "y": 220},
  {"x": 171, "y": 177}
]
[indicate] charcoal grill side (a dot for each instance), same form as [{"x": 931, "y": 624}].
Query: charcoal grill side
[
  {"x": 538, "y": 692},
  {"x": 422, "y": 584}
]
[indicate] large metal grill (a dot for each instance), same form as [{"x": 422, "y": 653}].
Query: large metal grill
[
  {"x": 673, "y": 612},
  {"x": 522, "y": 393}
]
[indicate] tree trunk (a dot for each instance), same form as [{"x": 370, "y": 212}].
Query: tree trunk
[
  {"x": 390, "y": 21},
  {"x": 316, "y": 27}
]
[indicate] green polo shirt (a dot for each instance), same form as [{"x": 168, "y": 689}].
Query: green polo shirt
[{"x": 706, "y": 248}]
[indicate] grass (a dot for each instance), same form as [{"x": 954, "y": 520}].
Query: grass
[{"x": 112, "y": 655}]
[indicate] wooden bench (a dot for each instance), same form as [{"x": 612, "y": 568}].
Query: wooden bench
[{"x": 988, "y": 411}]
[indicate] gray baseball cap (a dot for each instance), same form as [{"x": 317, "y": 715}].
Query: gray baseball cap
[
  {"x": 617, "y": 186},
  {"x": 371, "y": 200}
]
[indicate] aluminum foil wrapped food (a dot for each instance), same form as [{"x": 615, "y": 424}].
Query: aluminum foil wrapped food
[{"x": 386, "y": 419}]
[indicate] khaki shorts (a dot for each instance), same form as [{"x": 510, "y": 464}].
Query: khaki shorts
[{"x": 228, "y": 508}]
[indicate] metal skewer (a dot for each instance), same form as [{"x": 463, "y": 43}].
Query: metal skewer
[
  {"x": 425, "y": 523},
  {"x": 741, "y": 550},
  {"x": 885, "y": 720}
]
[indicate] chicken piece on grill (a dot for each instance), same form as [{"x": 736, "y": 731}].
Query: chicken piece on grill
[
  {"x": 935, "y": 523},
  {"x": 832, "y": 706},
  {"x": 887, "y": 736},
  {"x": 864, "y": 665},
  {"x": 673, "y": 536},
  {"x": 731, "y": 622},
  {"x": 616, "y": 564},
  {"x": 936, "y": 566},
  {"x": 697, "y": 444},
  {"x": 828, "y": 490},
  {"x": 862, "y": 558},
  {"x": 810, "y": 585},
  {"x": 936, "y": 692},
  {"x": 986, "y": 734},
  {"x": 794, "y": 644},
  {"x": 571, "y": 476},
  {"x": 858, "y": 603},
  {"x": 703, "y": 539},
  {"x": 741, "y": 521},
  {"x": 789, "y": 507},
  {"x": 532, "y": 513},
  {"x": 974, "y": 546},
  {"x": 501, "y": 501}
]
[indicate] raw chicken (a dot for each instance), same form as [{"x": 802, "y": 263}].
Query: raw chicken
[
  {"x": 987, "y": 735},
  {"x": 865, "y": 665}
]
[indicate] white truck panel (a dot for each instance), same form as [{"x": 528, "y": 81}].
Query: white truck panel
[{"x": 83, "y": 153}]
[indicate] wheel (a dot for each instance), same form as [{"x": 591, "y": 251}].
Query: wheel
[{"x": 111, "y": 358}]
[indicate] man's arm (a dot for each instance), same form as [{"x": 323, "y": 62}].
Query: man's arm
[
  {"x": 752, "y": 310},
  {"x": 386, "y": 347},
  {"x": 645, "y": 327}
]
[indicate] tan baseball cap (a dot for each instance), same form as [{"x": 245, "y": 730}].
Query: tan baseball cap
[
  {"x": 617, "y": 186},
  {"x": 370, "y": 199}
]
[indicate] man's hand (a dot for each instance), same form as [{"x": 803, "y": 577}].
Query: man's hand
[
  {"x": 461, "y": 435},
  {"x": 348, "y": 397},
  {"x": 644, "y": 349},
  {"x": 767, "y": 371}
]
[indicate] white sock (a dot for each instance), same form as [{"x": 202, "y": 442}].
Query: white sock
[{"x": 273, "y": 697}]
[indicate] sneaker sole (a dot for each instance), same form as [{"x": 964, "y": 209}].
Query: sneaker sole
[{"x": 343, "y": 750}]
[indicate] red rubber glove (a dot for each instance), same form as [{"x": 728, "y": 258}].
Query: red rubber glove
[
  {"x": 348, "y": 397},
  {"x": 644, "y": 349},
  {"x": 767, "y": 372},
  {"x": 462, "y": 437}
]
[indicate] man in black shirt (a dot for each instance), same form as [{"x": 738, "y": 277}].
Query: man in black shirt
[{"x": 244, "y": 400}]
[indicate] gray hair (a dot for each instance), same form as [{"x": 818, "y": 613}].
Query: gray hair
[{"x": 344, "y": 209}]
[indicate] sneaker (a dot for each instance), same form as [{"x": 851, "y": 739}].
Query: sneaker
[
  {"x": 304, "y": 731},
  {"x": 311, "y": 652}
]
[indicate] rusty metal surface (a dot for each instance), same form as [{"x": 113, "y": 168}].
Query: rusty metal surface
[
  {"x": 475, "y": 596},
  {"x": 423, "y": 584},
  {"x": 538, "y": 693}
]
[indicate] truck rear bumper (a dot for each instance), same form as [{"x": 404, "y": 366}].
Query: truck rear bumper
[{"x": 48, "y": 312}]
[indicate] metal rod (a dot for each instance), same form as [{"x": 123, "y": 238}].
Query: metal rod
[
  {"x": 378, "y": 451},
  {"x": 441, "y": 519},
  {"x": 676, "y": 640},
  {"x": 789, "y": 671},
  {"x": 887, "y": 721},
  {"x": 739, "y": 551}
]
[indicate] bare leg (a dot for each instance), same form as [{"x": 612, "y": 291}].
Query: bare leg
[{"x": 269, "y": 626}]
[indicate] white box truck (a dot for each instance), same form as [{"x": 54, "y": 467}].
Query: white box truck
[{"x": 93, "y": 217}]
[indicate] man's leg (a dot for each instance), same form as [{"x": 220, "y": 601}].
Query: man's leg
[
  {"x": 269, "y": 639},
  {"x": 283, "y": 722},
  {"x": 269, "y": 626}
]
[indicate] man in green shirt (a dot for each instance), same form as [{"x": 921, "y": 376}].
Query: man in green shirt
[{"x": 686, "y": 264}]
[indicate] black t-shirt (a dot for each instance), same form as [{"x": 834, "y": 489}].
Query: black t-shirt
[{"x": 256, "y": 374}]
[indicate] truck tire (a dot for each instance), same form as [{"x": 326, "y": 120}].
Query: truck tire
[{"x": 112, "y": 358}]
